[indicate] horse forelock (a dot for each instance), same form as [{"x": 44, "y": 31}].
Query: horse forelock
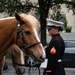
[{"x": 30, "y": 19}]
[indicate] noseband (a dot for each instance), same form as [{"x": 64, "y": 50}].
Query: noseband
[{"x": 26, "y": 46}]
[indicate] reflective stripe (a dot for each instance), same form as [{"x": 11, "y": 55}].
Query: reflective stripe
[
  {"x": 59, "y": 60},
  {"x": 48, "y": 71}
]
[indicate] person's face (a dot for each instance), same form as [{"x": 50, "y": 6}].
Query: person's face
[{"x": 52, "y": 31}]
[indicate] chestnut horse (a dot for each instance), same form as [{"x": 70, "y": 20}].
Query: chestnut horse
[
  {"x": 17, "y": 56},
  {"x": 21, "y": 30}
]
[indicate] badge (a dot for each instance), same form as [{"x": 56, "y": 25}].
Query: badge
[{"x": 53, "y": 50}]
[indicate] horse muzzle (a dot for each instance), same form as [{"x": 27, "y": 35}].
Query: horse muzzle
[{"x": 20, "y": 71}]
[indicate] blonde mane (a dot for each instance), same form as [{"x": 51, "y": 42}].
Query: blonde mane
[{"x": 30, "y": 19}]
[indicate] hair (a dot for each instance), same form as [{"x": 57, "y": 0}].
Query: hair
[{"x": 59, "y": 28}]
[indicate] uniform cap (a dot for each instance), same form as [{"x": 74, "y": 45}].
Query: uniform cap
[{"x": 52, "y": 23}]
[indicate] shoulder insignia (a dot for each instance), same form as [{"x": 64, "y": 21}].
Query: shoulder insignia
[{"x": 52, "y": 50}]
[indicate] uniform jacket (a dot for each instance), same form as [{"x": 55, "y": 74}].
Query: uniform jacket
[{"x": 54, "y": 51}]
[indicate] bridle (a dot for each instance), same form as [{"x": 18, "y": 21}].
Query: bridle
[{"x": 26, "y": 46}]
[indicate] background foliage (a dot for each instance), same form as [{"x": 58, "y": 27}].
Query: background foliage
[{"x": 42, "y": 7}]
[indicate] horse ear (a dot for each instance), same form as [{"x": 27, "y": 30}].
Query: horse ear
[{"x": 18, "y": 18}]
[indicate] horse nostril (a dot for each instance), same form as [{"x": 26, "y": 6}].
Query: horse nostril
[{"x": 41, "y": 57}]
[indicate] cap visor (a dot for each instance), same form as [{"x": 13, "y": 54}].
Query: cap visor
[{"x": 49, "y": 27}]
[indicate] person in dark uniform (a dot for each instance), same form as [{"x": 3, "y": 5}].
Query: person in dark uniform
[{"x": 55, "y": 49}]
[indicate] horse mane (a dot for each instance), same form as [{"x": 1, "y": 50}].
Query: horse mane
[
  {"x": 30, "y": 19},
  {"x": 6, "y": 18}
]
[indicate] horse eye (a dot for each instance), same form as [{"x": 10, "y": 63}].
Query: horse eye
[{"x": 27, "y": 32}]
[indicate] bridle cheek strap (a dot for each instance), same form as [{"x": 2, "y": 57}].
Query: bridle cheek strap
[{"x": 26, "y": 46}]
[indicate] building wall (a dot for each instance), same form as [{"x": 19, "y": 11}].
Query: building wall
[
  {"x": 70, "y": 17},
  {"x": 66, "y": 36},
  {"x": 3, "y": 15}
]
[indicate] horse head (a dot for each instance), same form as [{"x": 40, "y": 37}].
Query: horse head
[
  {"x": 17, "y": 58},
  {"x": 28, "y": 37}
]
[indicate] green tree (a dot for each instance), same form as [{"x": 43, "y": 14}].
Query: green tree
[
  {"x": 43, "y": 7},
  {"x": 10, "y": 6}
]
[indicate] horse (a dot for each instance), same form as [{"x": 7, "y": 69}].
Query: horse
[
  {"x": 22, "y": 31},
  {"x": 17, "y": 56}
]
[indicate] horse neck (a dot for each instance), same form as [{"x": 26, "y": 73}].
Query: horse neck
[{"x": 8, "y": 27}]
